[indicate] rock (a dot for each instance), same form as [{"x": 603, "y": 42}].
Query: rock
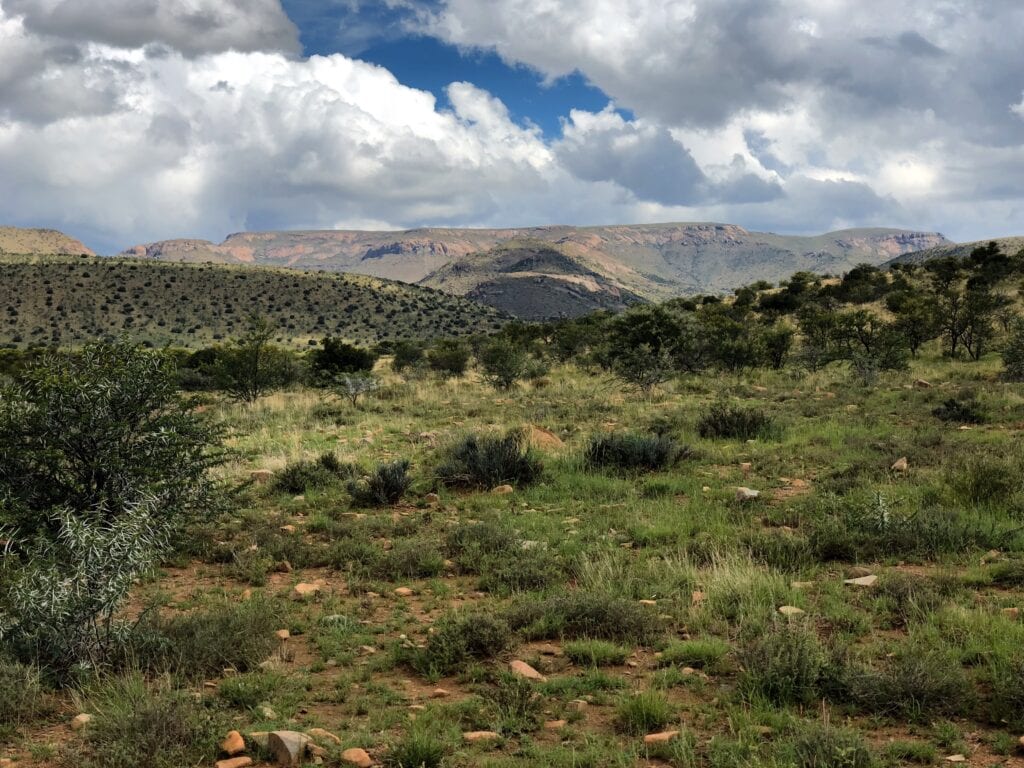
[
  {"x": 502, "y": 490},
  {"x": 305, "y": 591},
  {"x": 320, "y": 735},
  {"x": 432, "y": 499},
  {"x": 746, "y": 494},
  {"x": 357, "y": 757},
  {"x": 855, "y": 571},
  {"x": 522, "y": 669},
  {"x": 404, "y": 592},
  {"x": 234, "y": 762},
  {"x": 1020, "y": 742},
  {"x": 261, "y": 476},
  {"x": 267, "y": 712},
  {"x": 287, "y": 529},
  {"x": 287, "y": 747},
  {"x": 555, "y": 725},
  {"x": 922, "y": 384},
  {"x": 900, "y": 465},
  {"x": 1011, "y": 613},
  {"x": 790, "y": 611},
  {"x": 78, "y": 722},
  {"x": 259, "y": 738},
  {"x": 578, "y": 705},
  {"x": 862, "y": 581},
  {"x": 545, "y": 439},
  {"x": 283, "y": 567},
  {"x": 648, "y": 602},
  {"x": 696, "y": 597},
  {"x": 956, "y": 759},
  {"x": 660, "y": 738},
  {"x": 474, "y": 736},
  {"x": 283, "y": 634},
  {"x": 745, "y": 468},
  {"x": 233, "y": 744},
  {"x": 439, "y": 693}
]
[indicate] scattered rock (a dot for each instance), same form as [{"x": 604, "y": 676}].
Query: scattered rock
[
  {"x": 648, "y": 602},
  {"x": 790, "y": 611},
  {"x": 922, "y": 384},
  {"x": 305, "y": 591},
  {"x": 545, "y": 438},
  {"x": 900, "y": 465},
  {"x": 857, "y": 570},
  {"x": 745, "y": 468},
  {"x": 233, "y": 744},
  {"x": 555, "y": 725},
  {"x": 862, "y": 581},
  {"x": 283, "y": 634},
  {"x": 404, "y": 592},
  {"x": 522, "y": 669},
  {"x": 261, "y": 476},
  {"x": 578, "y": 705},
  {"x": 439, "y": 693},
  {"x": 956, "y": 759},
  {"x": 259, "y": 738},
  {"x": 234, "y": 762},
  {"x": 660, "y": 738},
  {"x": 287, "y": 747},
  {"x": 746, "y": 494},
  {"x": 283, "y": 567},
  {"x": 319, "y": 734},
  {"x": 78, "y": 722},
  {"x": 357, "y": 757},
  {"x": 267, "y": 712},
  {"x": 288, "y": 529},
  {"x": 474, "y": 736},
  {"x": 502, "y": 490}
]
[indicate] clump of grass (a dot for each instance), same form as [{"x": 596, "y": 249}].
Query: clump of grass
[
  {"x": 644, "y": 712},
  {"x": 579, "y": 615},
  {"x": 705, "y": 653},
  {"x": 726, "y": 421},
  {"x": 817, "y": 745},
  {"x": 412, "y": 558},
  {"x": 457, "y": 640},
  {"x": 631, "y": 452},
  {"x": 21, "y": 696},
  {"x": 421, "y": 747},
  {"x": 918, "y": 752},
  {"x": 1008, "y": 574},
  {"x": 248, "y": 691},
  {"x": 968, "y": 411},
  {"x": 595, "y": 653},
  {"x": 300, "y": 476},
  {"x": 784, "y": 665},
  {"x": 487, "y": 461},
  {"x": 515, "y": 704},
  {"x": 529, "y": 569},
  {"x": 986, "y": 479},
  {"x": 383, "y": 487}
]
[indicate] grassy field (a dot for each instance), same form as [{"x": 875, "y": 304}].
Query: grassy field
[{"x": 648, "y": 602}]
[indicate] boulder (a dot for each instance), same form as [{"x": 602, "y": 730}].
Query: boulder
[
  {"x": 555, "y": 725},
  {"x": 522, "y": 669},
  {"x": 233, "y": 744},
  {"x": 404, "y": 592},
  {"x": 234, "y": 762},
  {"x": 544, "y": 439},
  {"x": 287, "y": 747},
  {"x": 862, "y": 581},
  {"x": 789, "y": 611},
  {"x": 320, "y": 735},
  {"x": 922, "y": 384},
  {"x": 306, "y": 591},
  {"x": 282, "y": 634},
  {"x": 357, "y": 757}
]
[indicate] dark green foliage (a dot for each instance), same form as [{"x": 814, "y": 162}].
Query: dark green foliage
[
  {"x": 824, "y": 746},
  {"x": 300, "y": 476},
  {"x": 526, "y": 570},
  {"x": 419, "y": 748},
  {"x": 335, "y": 357},
  {"x": 458, "y": 639},
  {"x": 383, "y": 487},
  {"x": 407, "y": 354},
  {"x": 1008, "y": 574},
  {"x": 578, "y": 615},
  {"x": 487, "y": 461},
  {"x": 725, "y": 421},
  {"x": 449, "y": 358},
  {"x": 784, "y": 664},
  {"x": 251, "y": 366},
  {"x": 644, "y": 712},
  {"x": 635, "y": 452},
  {"x": 503, "y": 363},
  {"x": 1013, "y": 352},
  {"x": 967, "y": 411},
  {"x": 706, "y": 653},
  {"x": 407, "y": 559},
  {"x": 513, "y": 703},
  {"x": 1006, "y": 700}
]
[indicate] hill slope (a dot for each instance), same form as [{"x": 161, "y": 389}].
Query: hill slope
[
  {"x": 70, "y": 300},
  {"x": 39, "y": 242},
  {"x": 653, "y": 261},
  {"x": 1008, "y": 245}
]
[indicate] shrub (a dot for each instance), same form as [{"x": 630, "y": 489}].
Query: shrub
[
  {"x": 449, "y": 358},
  {"x": 635, "y": 452},
  {"x": 579, "y": 615},
  {"x": 643, "y": 712},
  {"x": 515, "y": 704},
  {"x": 419, "y": 748},
  {"x": 335, "y": 357},
  {"x": 986, "y": 479},
  {"x": 503, "y": 363},
  {"x": 136, "y": 725},
  {"x": 784, "y": 665},
  {"x": 384, "y": 486},
  {"x": 705, "y": 653},
  {"x": 529, "y": 569},
  {"x": 407, "y": 354},
  {"x": 300, "y": 476},
  {"x": 960, "y": 411},
  {"x": 1013, "y": 352},
  {"x": 21, "y": 695},
  {"x": 822, "y": 746},
  {"x": 457, "y": 639},
  {"x": 1006, "y": 702},
  {"x": 726, "y": 421},
  {"x": 595, "y": 653},
  {"x": 353, "y": 386},
  {"x": 409, "y": 559},
  {"x": 486, "y": 461},
  {"x": 251, "y": 366}
]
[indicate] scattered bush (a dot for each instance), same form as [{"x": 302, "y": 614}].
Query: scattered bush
[
  {"x": 644, "y": 712},
  {"x": 458, "y": 639},
  {"x": 579, "y": 615},
  {"x": 983, "y": 479},
  {"x": 300, "y": 476},
  {"x": 419, "y": 748},
  {"x": 595, "y": 653},
  {"x": 335, "y": 357},
  {"x": 635, "y": 452},
  {"x": 515, "y": 704},
  {"x": 707, "y": 653},
  {"x": 449, "y": 358},
  {"x": 352, "y": 386},
  {"x": 503, "y": 363},
  {"x": 487, "y": 461},
  {"x": 960, "y": 411},
  {"x": 407, "y": 354},
  {"x": 251, "y": 366},
  {"x": 385, "y": 486},
  {"x": 726, "y": 421},
  {"x": 1013, "y": 352},
  {"x": 819, "y": 745},
  {"x": 784, "y": 665}
]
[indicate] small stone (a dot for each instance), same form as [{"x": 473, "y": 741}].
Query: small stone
[
  {"x": 745, "y": 468},
  {"x": 234, "y": 762},
  {"x": 474, "y": 736},
  {"x": 283, "y": 634},
  {"x": 502, "y": 490},
  {"x": 233, "y": 744},
  {"x": 900, "y": 465},
  {"x": 261, "y": 476},
  {"x": 283, "y": 567},
  {"x": 78, "y": 722},
  {"x": 304, "y": 591},
  {"x": 522, "y": 669},
  {"x": 267, "y": 712},
  {"x": 404, "y": 592},
  {"x": 319, "y": 734},
  {"x": 648, "y": 602},
  {"x": 706, "y": 488},
  {"x": 357, "y": 757},
  {"x": 287, "y": 747},
  {"x": 439, "y": 693},
  {"x": 862, "y": 581},
  {"x": 660, "y": 738},
  {"x": 555, "y": 725},
  {"x": 578, "y": 705},
  {"x": 746, "y": 494},
  {"x": 287, "y": 529},
  {"x": 922, "y": 384},
  {"x": 790, "y": 611},
  {"x": 956, "y": 759},
  {"x": 432, "y": 498}
]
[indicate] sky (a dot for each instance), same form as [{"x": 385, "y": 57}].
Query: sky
[{"x": 129, "y": 121}]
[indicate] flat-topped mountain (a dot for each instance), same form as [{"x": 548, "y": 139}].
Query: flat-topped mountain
[
  {"x": 606, "y": 265},
  {"x": 33, "y": 242}
]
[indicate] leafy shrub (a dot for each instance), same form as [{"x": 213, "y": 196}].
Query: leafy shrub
[
  {"x": 635, "y": 452},
  {"x": 409, "y": 559},
  {"x": 784, "y": 665},
  {"x": 457, "y": 639},
  {"x": 1006, "y": 700},
  {"x": 248, "y": 691},
  {"x": 1008, "y": 574},
  {"x": 1013, "y": 352},
  {"x": 487, "y": 461},
  {"x": 579, "y": 615},
  {"x": 449, "y": 358},
  {"x": 514, "y": 703},
  {"x": 986, "y": 479},
  {"x": 643, "y": 712},
  {"x": 706, "y": 653},
  {"x": 726, "y": 421},
  {"x": 823, "y": 746},
  {"x": 352, "y": 386},
  {"x": 595, "y": 653},
  {"x": 529, "y": 569},
  {"x": 906, "y": 598},
  {"x": 300, "y": 476},
  {"x": 960, "y": 411},
  {"x": 407, "y": 354},
  {"x": 251, "y": 366},
  {"x": 335, "y": 357},
  {"x": 385, "y": 486},
  {"x": 503, "y": 363},
  {"x": 134, "y": 725}
]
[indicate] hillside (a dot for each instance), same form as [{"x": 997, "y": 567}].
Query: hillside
[
  {"x": 70, "y": 300},
  {"x": 19, "y": 240},
  {"x": 533, "y": 281},
  {"x": 654, "y": 261},
  {"x": 1009, "y": 245}
]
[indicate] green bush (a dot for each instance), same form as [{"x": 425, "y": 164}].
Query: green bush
[
  {"x": 784, "y": 665},
  {"x": 419, "y": 748},
  {"x": 960, "y": 411},
  {"x": 383, "y": 487},
  {"x": 529, "y": 569},
  {"x": 579, "y": 615},
  {"x": 986, "y": 479},
  {"x": 635, "y": 452},
  {"x": 21, "y": 696},
  {"x": 487, "y": 461},
  {"x": 503, "y": 363},
  {"x": 644, "y": 712},
  {"x": 1013, "y": 352},
  {"x": 705, "y": 653},
  {"x": 251, "y": 366},
  {"x": 595, "y": 653},
  {"x": 300, "y": 476},
  {"x": 514, "y": 702},
  {"x": 726, "y": 421},
  {"x": 458, "y": 639},
  {"x": 335, "y": 357},
  {"x": 449, "y": 358},
  {"x": 819, "y": 745}
]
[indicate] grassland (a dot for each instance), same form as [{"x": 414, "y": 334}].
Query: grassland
[
  {"x": 649, "y": 602},
  {"x": 65, "y": 300}
]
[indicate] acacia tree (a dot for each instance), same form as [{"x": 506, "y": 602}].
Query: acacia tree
[{"x": 252, "y": 366}]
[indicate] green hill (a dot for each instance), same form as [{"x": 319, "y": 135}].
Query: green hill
[
  {"x": 71, "y": 300},
  {"x": 1008, "y": 245}
]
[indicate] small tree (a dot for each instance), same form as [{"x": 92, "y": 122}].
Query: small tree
[
  {"x": 407, "y": 354},
  {"x": 353, "y": 386},
  {"x": 335, "y": 357},
  {"x": 449, "y": 358},
  {"x": 252, "y": 366},
  {"x": 1013, "y": 353},
  {"x": 504, "y": 363}
]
